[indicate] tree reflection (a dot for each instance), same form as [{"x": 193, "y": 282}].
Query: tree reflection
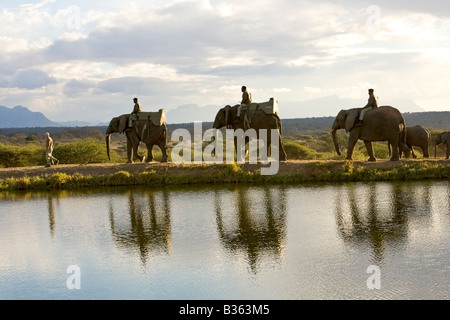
[
  {"x": 242, "y": 227},
  {"x": 148, "y": 228},
  {"x": 380, "y": 216}
]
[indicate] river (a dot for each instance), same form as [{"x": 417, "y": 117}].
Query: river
[{"x": 380, "y": 240}]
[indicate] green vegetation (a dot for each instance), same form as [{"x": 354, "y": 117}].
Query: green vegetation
[
  {"x": 79, "y": 152},
  {"x": 230, "y": 174},
  {"x": 304, "y": 139}
]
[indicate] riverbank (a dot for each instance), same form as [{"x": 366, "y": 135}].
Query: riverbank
[{"x": 157, "y": 174}]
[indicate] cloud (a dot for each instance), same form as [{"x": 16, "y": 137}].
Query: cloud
[
  {"x": 188, "y": 51},
  {"x": 75, "y": 88},
  {"x": 133, "y": 86},
  {"x": 28, "y": 79}
]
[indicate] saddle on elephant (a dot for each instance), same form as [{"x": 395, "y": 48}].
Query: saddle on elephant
[
  {"x": 157, "y": 118},
  {"x": 269, "y": 107}
]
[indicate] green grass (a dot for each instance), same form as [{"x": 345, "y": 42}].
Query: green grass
[{"x": 228, "y": 174}]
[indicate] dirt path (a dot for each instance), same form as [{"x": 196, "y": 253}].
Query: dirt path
[{"x": 304, "y": 167}]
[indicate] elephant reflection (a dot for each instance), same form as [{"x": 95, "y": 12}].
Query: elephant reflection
[
  {"x": 367, "y": 222},
  {"x": 251, "y": 231},
  {"x": 383, "y": 217},
  {"x": 148, "y": 228}
]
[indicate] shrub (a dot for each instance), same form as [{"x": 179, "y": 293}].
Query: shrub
[
  {"x": 15, "y": 156},
  {"x": 83, "y": 152},
  {"x": 296, "y": 151}
]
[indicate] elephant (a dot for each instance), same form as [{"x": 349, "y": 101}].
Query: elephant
[
  {"x": 143, "y": 130},
  {"x": 443, "y": 138},
  {"x": 227, "y": 117},
  {"x": 416, "y": 136},
  {"x": 384, "y": 123}
]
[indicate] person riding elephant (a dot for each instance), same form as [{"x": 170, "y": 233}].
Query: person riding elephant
[
  {"x": 382, "y": 124},
  {"x": 246, "y": 100},
  {"x": 143, "y": 130},
  {"x": 227, "y": 115},
  {"x": 136, "y": 109},
  {"x": 444, "y": 139},
  {"x": 372, "y": 103}
]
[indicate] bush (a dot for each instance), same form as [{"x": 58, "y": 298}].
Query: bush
[
  {"x": 15, "y": 156},
  {"x": 296, "y": 151},
  {"x": 82, "y": 152},
  {"x": 79, "y": 152}
]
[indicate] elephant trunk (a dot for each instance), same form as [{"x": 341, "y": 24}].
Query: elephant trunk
[
  {"x": 108, "y": 142},
  {"x": 335, "y": 141}
]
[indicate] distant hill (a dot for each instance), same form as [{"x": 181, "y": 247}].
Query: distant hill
[{"x": 21, "y": 117}]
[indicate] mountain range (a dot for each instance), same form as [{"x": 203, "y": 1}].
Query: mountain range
[{"x": 22, "y": 117}]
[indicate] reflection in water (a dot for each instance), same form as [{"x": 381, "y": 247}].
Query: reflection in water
[
  {"x": 380, "y": 214},
  {"x": 148, "y": 228},
  {"x": 320, "y": 251},
  {"x": 51, "y": 215},
  {"x": 249, "y": 230}
]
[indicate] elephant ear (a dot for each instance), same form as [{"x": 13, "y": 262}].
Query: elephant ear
[
  {"x": 122, "y": 123},
  {"x": 350, "y": 119}
]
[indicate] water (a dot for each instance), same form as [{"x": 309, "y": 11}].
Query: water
[{"x": 312, "y": 241}]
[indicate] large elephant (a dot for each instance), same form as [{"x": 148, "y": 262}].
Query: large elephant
[
  {"x": 381, "y": 124},
  {"x": 227, "y": 117},
  {"x": 142, "y": 130},
  {"x": 443, "y": 138}
]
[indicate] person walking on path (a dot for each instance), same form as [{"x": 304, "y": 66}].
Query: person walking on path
[{"x": 49, "y": 150}]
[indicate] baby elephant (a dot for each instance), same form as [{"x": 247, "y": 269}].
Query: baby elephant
[
  {"x": 443, "y": 138},
  {"x": 416, "y": 136}
]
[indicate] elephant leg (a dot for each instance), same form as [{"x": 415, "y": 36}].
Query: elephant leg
[
  {"x": 395, "y": 150},
  {"x": 426, "y": 154},
  {"x": 412, "y": 152},
  {"x": 351, "y": 145},
  {"x": 136, "y": 154},
  {"x": 163, "y": 147},
  {"x": 282, "y": 156},
  {"x": 448, "y": 152},
  {"x": 269, "y": 144},
  {"x": 369, "y": 148},
  {"x": 129, "y": 151},
  {"x": 149, "y": 153}
]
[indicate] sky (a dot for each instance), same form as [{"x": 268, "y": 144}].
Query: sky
[{"x": 87, "y": 60}]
